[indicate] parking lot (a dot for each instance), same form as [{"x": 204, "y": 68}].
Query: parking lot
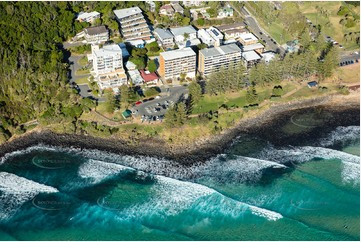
[
  {"x": 349, "y": 59},
  {"x": 154, "y": 109}
]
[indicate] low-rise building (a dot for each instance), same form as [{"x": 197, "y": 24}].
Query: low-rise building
[
  {"x": 151, "y": 5},
  {"x": 188, "y": 43},
  {"x": 233, "y": 31},
  {"x": 108, "y": 66},
  {"x": 181, "y": 32},
  {"x": 258, "y": 47},
  {"x": 178, "y": 8},
  {"x": 225, "y": 12},
  {"x": 210, "y": 36},
  {"x": 96, "y": 34},
  {"x": 248, "y": 39},
  {"x": 250, "y": 58},
  {"x": 210, "y": 60},
  {"x": 167, "y": 10},
  {"x": 88, "y": 17},
  {"x": 133, "y": 25},
  {"x": 192, "y": 3},
  {"x": 165, "y": 37},
  {"x": 176, "y": 62},
  {"x": 150, "y": 78}
]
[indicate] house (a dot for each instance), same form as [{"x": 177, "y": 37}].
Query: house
[
  {"x": 188, "y": 43},
  {"x": 258, "y": 47},
  {"x": 248, "y": 39},
  {"x": 167, "y": 10},
  {"x": 165, "y": 37},
  {"x": 151, "y": 5},
  {"x": 178, "y": 8},
  {"x": 179, "y": 33},
  {"x": 233, "y": 31},
  {"x": 88, "y": 17},
  {"x": 211, "y": 60},
  {"x": 210, "y": 36},
  {"x": 312, "y": 84},
  {"x": 96, "y": 34},
  {"x": 225, "y": 12},
  {"x": 133, "y": 25},
  {"x": 150, "y": 78},
  {"x": 175, "y": 62},
  {"x": 250, "y": 58},
  {"x": 192, "y": 3},
  {"x": 108, "y": 66}
]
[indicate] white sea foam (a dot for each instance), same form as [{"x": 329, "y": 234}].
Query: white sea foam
[
  {"x": 351, "y": 173},
  {"x": 341, "y": 135},
  {"x": 269, "y": 215},
  {"x": 306, "y": 153},
  {"x": 171, "y": 197},
  {"x": 99, "y": 170},
  {"x": 17, "y": 190}
]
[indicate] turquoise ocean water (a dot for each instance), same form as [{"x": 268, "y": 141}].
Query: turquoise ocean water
[{"x": 255, "y": 191}]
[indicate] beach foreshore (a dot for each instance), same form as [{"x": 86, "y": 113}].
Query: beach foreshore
[{"x": 267, "y": 124}]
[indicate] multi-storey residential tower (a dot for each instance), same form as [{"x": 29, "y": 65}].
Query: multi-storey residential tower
[
  {"x": 211, "y": 59},
  {"x": 175, "y": 62},
  {"x": 108, "y": 66},
  {"x": 132, "y": 24}
]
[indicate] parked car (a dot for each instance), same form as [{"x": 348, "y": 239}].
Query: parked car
[{"x": 138, "y": 103}]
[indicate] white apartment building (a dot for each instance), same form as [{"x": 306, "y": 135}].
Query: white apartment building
[
  {"x": 211, "y": 59},
  {"x": 132, "y": 24},
  {"x": 175, "y": 62},
  {"x": 96, "y": 34},
  {"x": 108, "y": 66}
]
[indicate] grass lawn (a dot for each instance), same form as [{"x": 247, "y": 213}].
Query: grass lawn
[
  {"x": 82, "y": 80},
  {"x": 334, "y": 29},
  {"x": 349, "y": 74},
  {"x": 83, "y": 61},
  {"x": 82, "y": 72}
]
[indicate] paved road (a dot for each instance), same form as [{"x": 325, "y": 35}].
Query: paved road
[
  {"x": 74, "y": 66},
  {"x": 167, "y": 96},
  {"x": 259, "y": 32}
]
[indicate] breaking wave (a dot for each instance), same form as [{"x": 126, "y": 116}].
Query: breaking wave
[
  {"x": 341, "y": 135},
  {"x": 15, "y": 190}
]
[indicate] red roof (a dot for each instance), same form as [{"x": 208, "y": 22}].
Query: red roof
[{"x": 148, "y": 77}]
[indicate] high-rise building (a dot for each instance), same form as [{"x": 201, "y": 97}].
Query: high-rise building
[
  {"x": 132, "y": 24},
  {"x": 108, "y": 66},
  {"x": 176, "y": 62},
  {"x": 211, "y": 59}
]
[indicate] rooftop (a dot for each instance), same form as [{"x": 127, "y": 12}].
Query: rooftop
[
  {"x": 83, "y": 15},
  {"x": 174, "y": 54},
  {"x": 148, "y": 76},
  {"x": 108, "y": 50},
  {"x": 166, "y": 7},
  {"x": 222, "y": 50},
  {"x": 96, "y": 30},
  {"x": 182, "y": 30},
  {"x": 163, "y": 33},
  {"x": 126, "y": 12},
  {"x": 247, "y": 37},
  {"x": 231, "y": 26},
  {"x": 177, "y": 7},
  {"x": 252, "y": 47},
  {"x": 251, "y": 55}
]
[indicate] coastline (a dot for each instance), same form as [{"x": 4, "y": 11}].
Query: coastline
[{"x": 345, "y": 110}]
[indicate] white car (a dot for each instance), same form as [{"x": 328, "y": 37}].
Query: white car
[{"x": 157, "y": 97}]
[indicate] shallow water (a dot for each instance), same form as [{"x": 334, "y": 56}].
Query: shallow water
[{"x": 255, "y": 191}]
